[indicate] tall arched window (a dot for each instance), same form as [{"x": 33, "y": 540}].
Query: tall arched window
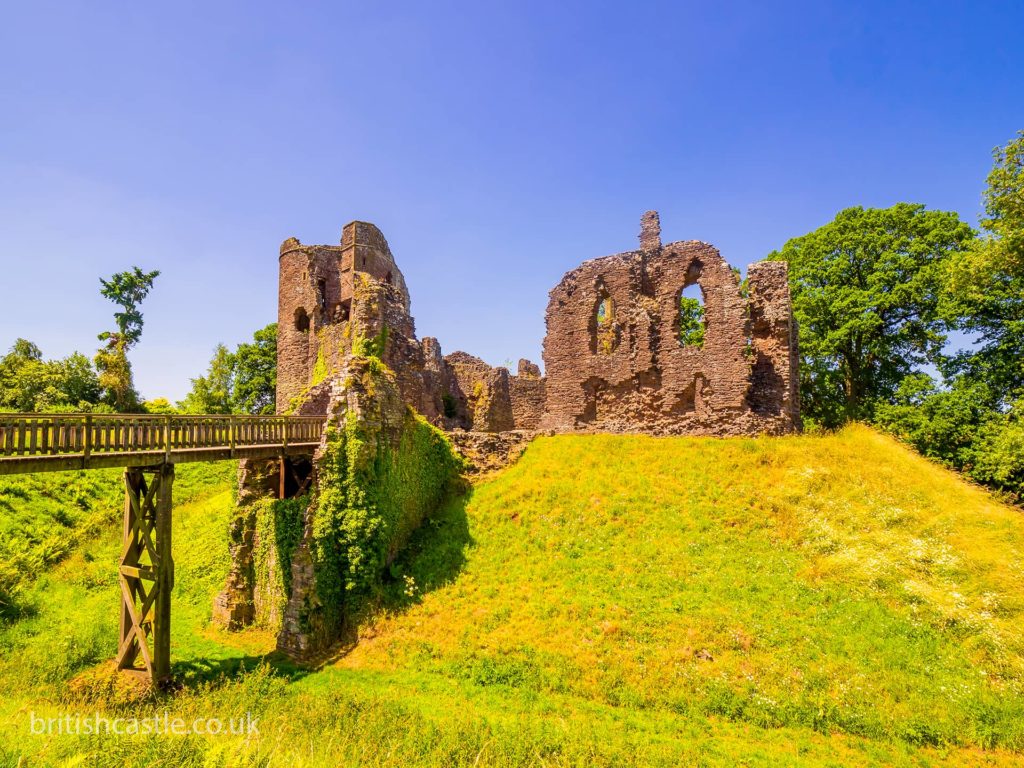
[
  {"x": 606, "y": 332},
  {"x": 691, "y": 316},
  {"x": 301, "y": 320}
]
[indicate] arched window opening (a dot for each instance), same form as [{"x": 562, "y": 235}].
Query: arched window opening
[
  {"x": 691, "y": 316},
  {"x": 301, "y": 320},
  {"x": 606, "y": 332},
  {"x": 388, "y": 278}
]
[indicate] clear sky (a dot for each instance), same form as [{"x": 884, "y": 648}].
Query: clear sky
[{"x": 497, "y": 145}]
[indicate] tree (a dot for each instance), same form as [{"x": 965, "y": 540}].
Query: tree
[
  {"x": 127, "y": 290},
  {"x": 985, "y": 286},
  {"x": 29, "y": 383},
  {"x": 941, "y": 423},
  {"x": 212, "y": 393},
  {"x": 691, "y": 321},
  {"x": 256, "y": 373},
  {"x": 243, "y": 381},
  {"x": 866, "y": 295},
  {"x": 159, "y": 406}
]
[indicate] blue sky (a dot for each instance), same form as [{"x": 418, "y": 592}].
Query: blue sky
[{"x": 497, "y": 145}]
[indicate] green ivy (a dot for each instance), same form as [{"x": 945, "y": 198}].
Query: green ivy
[
  {"x": 371, "y": 496},
  {"x": 278, "y": 525}
]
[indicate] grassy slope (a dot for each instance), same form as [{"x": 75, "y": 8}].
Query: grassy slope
[{"x": 608, "y": 600}]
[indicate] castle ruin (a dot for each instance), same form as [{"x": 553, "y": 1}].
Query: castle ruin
[
  {"x": 626, "y": 350},
  {"x": 615, "y": 355},
  {"x": 331, "y": 298}
]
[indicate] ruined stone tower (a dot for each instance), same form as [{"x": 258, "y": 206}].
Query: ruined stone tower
[
  {"x": 331, "y": 297},
  {"x": 316, "y": 287}
]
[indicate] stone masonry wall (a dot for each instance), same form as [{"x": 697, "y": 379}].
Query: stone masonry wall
[
  {"x": 615, "y": 360},
  {"x": 528, "y": 393},
  {"x": 628, "y": 371}
]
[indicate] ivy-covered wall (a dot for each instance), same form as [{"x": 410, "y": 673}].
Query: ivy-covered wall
[
  {"x": 380, "y": 470},
  {"x": 278, "y": 524}
]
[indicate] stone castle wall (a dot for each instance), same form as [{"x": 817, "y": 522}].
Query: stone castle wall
[
  {"x": 613, "y": 354},
  {"x": 615, "y": 359}
]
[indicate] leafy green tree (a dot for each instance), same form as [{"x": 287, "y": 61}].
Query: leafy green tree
[
  {"x": 115, "y": 376},
  {"x": 985, "y": 295},
  {"x": 255, "y": 388},
  {"x": 997, "y": 458},
  {"x": 243, "y": 381},
  {"x": 29, "y": 383},
  {"x": 127, "y": 290},
  {"x": 941, "y": 423},
  {"x": 212, "y": 393},
  {"x": 691, "y": 321},
  {"x": 159, "y": 406},
  {"x": 866, "y": 294}
]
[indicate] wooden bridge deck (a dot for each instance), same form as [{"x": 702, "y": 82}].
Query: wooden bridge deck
[{"x": 56, "y": 442}]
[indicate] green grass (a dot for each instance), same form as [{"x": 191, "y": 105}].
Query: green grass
[
  {"x": 44, "y": 517},
  {"x": 609, "y": 600}
]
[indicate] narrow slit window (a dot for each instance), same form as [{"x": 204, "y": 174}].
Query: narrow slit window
[{"x": 321, "y": 294}]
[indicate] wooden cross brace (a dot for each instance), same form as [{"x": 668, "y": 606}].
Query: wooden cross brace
[{"x": 146, "y": 573}]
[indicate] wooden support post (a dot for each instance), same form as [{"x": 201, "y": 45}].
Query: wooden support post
[
  {"x": 282, "y": 487},
  {"x": 165, "y": 576},
  {"x": 146, "y": 573}
]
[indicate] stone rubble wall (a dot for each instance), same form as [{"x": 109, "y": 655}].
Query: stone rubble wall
[
  {"x": 630, "y": 371},
  {"x": 235, "y": 606},
  {"x": 487, "y": 452},
  {"x": 528, "y": 392}
]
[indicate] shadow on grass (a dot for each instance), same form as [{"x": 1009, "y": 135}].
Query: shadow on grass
[
  {"x": 434, "y": 557},
  {"x": 196, "y": 672}
]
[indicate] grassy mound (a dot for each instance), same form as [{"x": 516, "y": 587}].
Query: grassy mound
[{"x": 610, "y": 600}]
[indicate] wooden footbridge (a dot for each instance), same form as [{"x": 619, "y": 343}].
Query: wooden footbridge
[{"x": 148, "y": 447}]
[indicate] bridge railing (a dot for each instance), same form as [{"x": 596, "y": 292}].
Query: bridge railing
[{"x": 97, "y": 434}]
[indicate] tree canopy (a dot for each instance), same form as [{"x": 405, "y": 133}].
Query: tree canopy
[
  {"x": 127, "y": 290},
  {"x": 30, "y": 383},
  {"x": 985, "y": 290},
  {"x": 243, "y": 381},
  {"x": 866, "y": 290}
]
